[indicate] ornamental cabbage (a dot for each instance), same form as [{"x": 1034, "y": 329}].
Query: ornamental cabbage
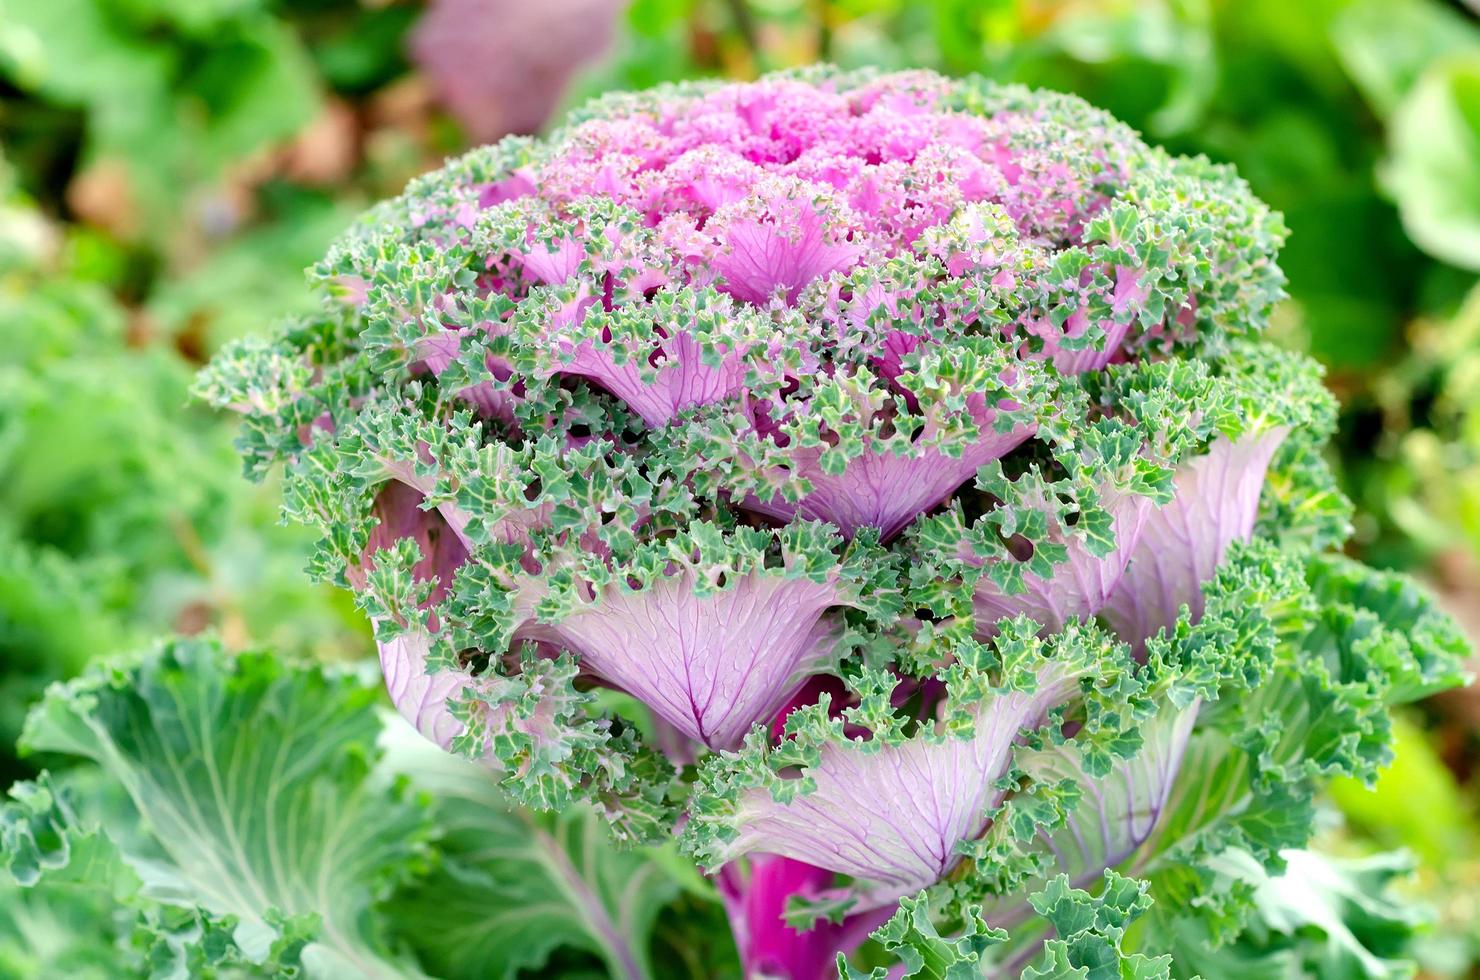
[{"x": 877, "y": 482}]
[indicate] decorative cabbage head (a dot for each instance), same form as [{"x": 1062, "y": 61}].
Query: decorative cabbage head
[{"x": 877, "y": 481}]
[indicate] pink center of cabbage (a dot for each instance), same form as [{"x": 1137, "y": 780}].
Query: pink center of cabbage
[{"x": 773, "y": 185}]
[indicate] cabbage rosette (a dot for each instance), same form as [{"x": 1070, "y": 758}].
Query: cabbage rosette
[{"x": 876, "y": 482}]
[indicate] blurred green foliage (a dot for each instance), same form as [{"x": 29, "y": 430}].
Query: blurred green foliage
[
  {"x": 214, "y": 147},
  {"x": 169, "y": 169},
  {"x": 1416, "y": 805},
  {"x": 122, "y": 510},
  {"x": 172, "y": 92}
]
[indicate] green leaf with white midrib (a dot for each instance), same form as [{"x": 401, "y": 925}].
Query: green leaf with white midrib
[
  {"x": 79, "y": 910},
  {"x": 254, "y": 782}
]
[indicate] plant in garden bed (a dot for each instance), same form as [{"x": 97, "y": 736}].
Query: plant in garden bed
[{"x": 876, "y": 483}]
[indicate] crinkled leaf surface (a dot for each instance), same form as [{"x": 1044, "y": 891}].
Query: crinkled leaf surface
[
  {"x": 254, "y": 782},
  {"x": 249, "y": 814},
  {"x": 1326, "y": 918}
]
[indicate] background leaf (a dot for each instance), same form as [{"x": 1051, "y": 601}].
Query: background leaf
[
  {"x": 513, "y": 886},
  {"x": 255, "y": 783}
]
